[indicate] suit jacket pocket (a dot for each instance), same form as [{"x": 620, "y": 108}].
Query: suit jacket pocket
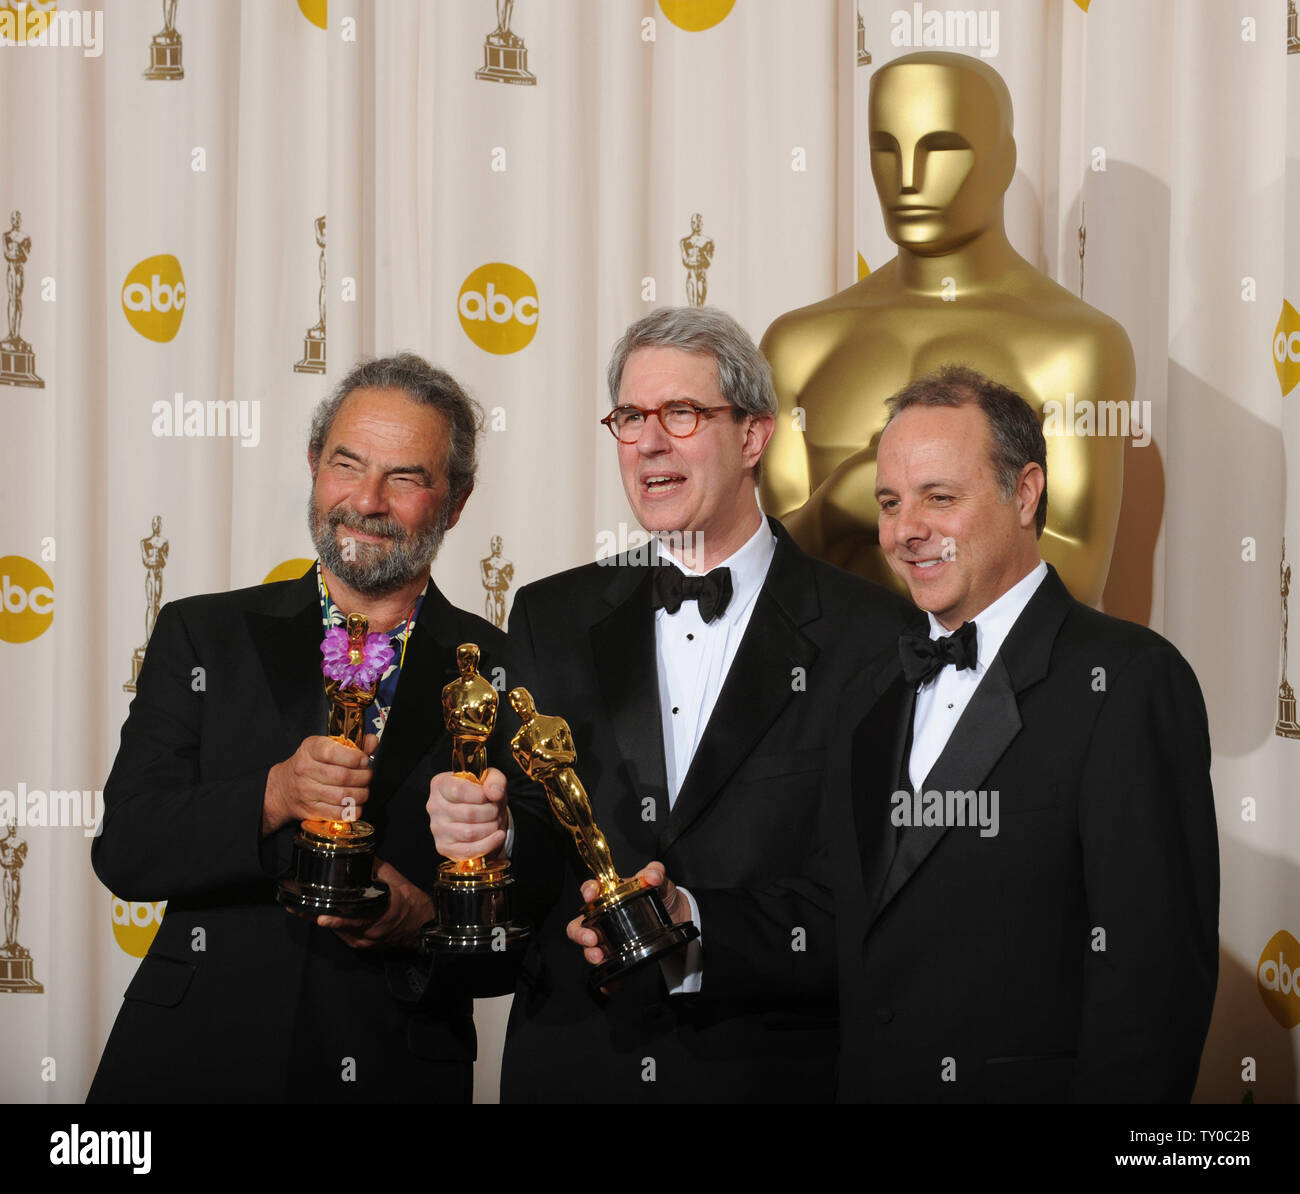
[
  {"x": 790, "y": 762},
  {"x": 161, "y": 981}
]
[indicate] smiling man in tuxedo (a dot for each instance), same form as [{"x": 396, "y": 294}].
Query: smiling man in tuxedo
[
  {"x": 700, "y": 682},
  {"x": 224, "y": 753},
  {"x": 1026, "y": 861}
]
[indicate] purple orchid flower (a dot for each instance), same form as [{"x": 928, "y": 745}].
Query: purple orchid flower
[{"x": 377, "y": 654}]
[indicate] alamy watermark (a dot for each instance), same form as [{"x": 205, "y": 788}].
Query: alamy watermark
[
  {"x": 1084, "y": 417},
  {"x": 34, "y": 24},
  {"x": 90, "y": 1146},
  {"x": 643, "y": 548},
  {"x": 235, "y": 419},
  {"x": 961, "y": 29},
  {"x": 58, "y": 808},
  {"x": 946, "y": 809}
]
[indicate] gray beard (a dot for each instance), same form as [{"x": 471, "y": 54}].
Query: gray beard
[{"x": 374, "y": 571}]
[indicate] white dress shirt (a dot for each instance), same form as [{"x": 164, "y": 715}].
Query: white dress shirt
[
  {"x": 695, "y": 656},
  {"x": 941, "y": 701},
  {"x": 693, "y": 659}
]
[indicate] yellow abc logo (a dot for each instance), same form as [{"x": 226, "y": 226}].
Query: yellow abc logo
[
  {"x": 1286, "y": 347},
  {"x": 26, "y": 599},
  {"x": 314, "y": 11},
  {"x": 1278, "y": 975},
  {"x": 695, "y": 15},
  {"x": 498, "y": 308},
  {"x": 153, "y": 297},
  {"x": 289, "y": 570},
  {"x": 135, "y": 924}
]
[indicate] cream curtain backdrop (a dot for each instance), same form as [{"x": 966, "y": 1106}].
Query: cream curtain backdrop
[{"x": 1170, "y": 130}]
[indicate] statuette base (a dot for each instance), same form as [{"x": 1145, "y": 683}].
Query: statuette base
[
  {"x": 1286, "y": 723},
  {"x": 473, "y": 912},
  {"x": 18, "y": 366},
  {"x": 137, "y": 662},
  {"x": 16, "y": 974},
  {"x": 505, "y": 64},
  {"x": 313, "y": 355},
  {"x": 333, "y": 873},
  {"x": 165, "y": 60},
  {"x": 634, "y": 928}
]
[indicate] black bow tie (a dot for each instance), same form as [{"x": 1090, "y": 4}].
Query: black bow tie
[
  {"x": 712, "y": 592},
  {"x": 924, "y": 657}
]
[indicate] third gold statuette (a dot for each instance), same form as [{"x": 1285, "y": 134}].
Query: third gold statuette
[{"x": 629, "y": 917}]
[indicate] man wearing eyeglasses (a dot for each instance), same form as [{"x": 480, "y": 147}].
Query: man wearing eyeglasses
[{"x": 699, "y": 682}]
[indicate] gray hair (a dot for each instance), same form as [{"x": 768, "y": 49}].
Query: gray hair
[
  {"x": 1016, "y": 434},
  {"x": 425, "y": 384},
  {"x": 744, "y": 376}
]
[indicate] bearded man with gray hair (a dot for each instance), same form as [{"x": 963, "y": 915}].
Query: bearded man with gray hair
[{"x": 223, "y": 754}]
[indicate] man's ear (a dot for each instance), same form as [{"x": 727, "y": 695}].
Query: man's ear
[
  {"x": 757, "y": 435},
  {"x": 313, "y": 463},
  {"x": 1029, "y": 489},
  {"x": 459, "y": 508}
]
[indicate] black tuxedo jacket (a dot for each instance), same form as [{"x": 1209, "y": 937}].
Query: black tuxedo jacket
[
  {"x": 744, "y": 836},
  {"x": 237, "y": 1000},
  {"x": 1074, "y": 954}
]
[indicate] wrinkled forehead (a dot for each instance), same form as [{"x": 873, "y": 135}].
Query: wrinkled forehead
[{"x": 912, "y": 99}]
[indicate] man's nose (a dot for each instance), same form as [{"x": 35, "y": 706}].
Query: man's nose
[
  {"x": 910, "y": 525},
  {"x": 654, "y": 439},
  {"x": 370, "y": 496}
]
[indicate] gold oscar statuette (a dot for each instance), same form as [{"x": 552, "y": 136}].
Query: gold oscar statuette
[
  {"x": 153, "y": 554},
  {"x": 472, "y": 895},
  {"x": 313, "y": 343},
  {"x": 15, "y": 961},
  {"x": 1286, "y": 726},
  {"x": 629, "y": 917},
  {"x": 17, "y": 360},
  {"x": 333, "y": 861}
]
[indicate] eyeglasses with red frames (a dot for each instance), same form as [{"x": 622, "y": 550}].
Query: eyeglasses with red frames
[{"x": 678, "y": 419}]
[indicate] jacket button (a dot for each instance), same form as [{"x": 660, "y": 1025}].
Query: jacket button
[{"x": 884, "y": 1014}]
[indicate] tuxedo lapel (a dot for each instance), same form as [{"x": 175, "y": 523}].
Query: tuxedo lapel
[
  {"x": 986, "y": 729},
  {"x": 287, "y": 641},
  {"x": 876, "y": 760},
  {"x": 988, "y": 726},
  {"x": 759, "y": 684},
  {"x": 415, "y": 718},
  {"x": 623, "y": 647}
]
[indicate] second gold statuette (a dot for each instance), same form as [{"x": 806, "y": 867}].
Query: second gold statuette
[
  {"x": 629, "y": 918},
  {"x": 472, "y": 895}
]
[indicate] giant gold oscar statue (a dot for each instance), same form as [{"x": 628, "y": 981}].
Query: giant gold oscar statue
[
  {"x": 627, "y": 915},
  {"x": 472, "y": 895},
  {"x": 942, "y": 156}
]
